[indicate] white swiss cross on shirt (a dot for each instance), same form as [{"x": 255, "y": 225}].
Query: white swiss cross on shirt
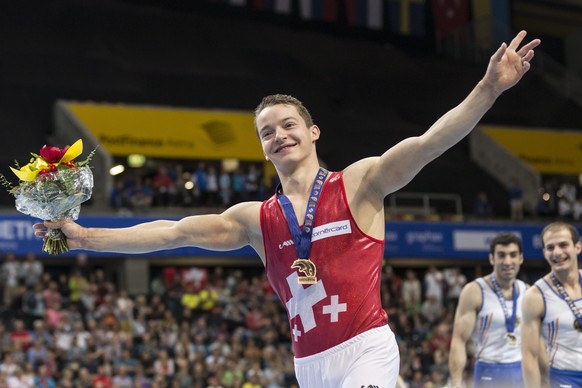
[{"x": 303, "y": 300}]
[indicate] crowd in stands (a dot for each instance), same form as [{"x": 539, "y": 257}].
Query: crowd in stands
[
  {"x": 565, "y": 200},
  {"x": 560, "y": 196},
  {"x": 196, "y": 327},
  {"x": 208, "y": 185}
]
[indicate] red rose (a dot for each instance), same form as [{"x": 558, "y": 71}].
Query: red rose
[{"x": 52, "y": 154}]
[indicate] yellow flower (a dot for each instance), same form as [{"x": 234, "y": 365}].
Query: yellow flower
[{"x": 29, "y": 172}]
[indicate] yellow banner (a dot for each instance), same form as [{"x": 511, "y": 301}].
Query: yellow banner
[
  {"x": 170, "y": 132},
  {"x": 546, "y": 151}
]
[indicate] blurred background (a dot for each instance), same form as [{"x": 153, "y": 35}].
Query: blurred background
[{"x": 164, "y": 91}]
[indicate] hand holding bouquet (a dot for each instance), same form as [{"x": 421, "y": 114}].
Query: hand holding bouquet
[{"x": 52, "y": 187}]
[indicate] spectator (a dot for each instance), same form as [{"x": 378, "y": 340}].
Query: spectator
[
  {"x": 31, "y": 270},
  {"x": 252, "y": 183},
  {"x": 434, "y": 284},
  {"x": 77, "y": 286},
  {"x": 84, "y": 379},
  {"x": 5, "y": 341},
  {"x": 455, "y": 280},
  {"x": 164, "y": 188},
  {"x": 482, "y": 207},
  {"x": 66, "y": 379},
  {"x": 212, "y": 188},
  {"x": 122, "y": 379},
  {"x": 82, "y": 265},
  {"x": 431, "y": 308},
  {"x": 164, "y": 365},
  {"x": 515, "y": 200},
  {"x": 411, "y": 292},
  {"x": 44, "y": 379},
  {"x": 8, "y": 368},
  {"x": 20, "y": 336},
  {"x": 577, "y": 209},
  {"x": 120, "y": 197},
  {"x": 19, "y": 380},
  {"x": 37, "y": 354},
  {"x": 142, "y": 197},
  {"x": 10, "y": 272},
  {"x": 40, "y": 332},
  {"x": 33, "y": 306},
  {"x": 238, "y": 186},
  {"x": 102, "y": 379},
  {"x": 51, "y": 295},
  {"x": 200, "y": 180},
  {"x": 225, "y": 186}
]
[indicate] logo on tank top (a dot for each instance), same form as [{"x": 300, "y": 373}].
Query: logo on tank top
[{"x": 321, "y": 232}]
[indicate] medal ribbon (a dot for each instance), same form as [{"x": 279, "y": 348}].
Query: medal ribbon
[
  {"x": 509, "y": 319},
  {"x": 302, "y": 238},
  {"x": 566, "y": 297}
]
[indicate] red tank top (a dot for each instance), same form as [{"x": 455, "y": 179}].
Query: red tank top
[{"x": 345, "y": 301}]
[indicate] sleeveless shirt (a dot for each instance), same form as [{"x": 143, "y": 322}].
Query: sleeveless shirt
[
  {"x": 345, "y": 300},
  {"x": 491, "y": 344},
  {"x": 563, "y": 341}
]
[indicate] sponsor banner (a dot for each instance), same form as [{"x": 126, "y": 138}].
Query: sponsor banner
[
  {"x": 170, "y": 133},
  {"x": 544, "y": 150},
  {"x": 17, "y": 235},
  {"x": 456, "y": 240},
  {"x": 403, "y": 239},
  {"x": 476, "y": 240}
]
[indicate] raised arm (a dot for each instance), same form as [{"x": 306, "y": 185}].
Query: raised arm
[
  {"x": 465, "y": 317},
  {"x": 397, "y": 166},
  {"x": 235, "y": 228},
  {"x": 534, "y": 358}
]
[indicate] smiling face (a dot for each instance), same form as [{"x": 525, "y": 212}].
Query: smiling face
[
  {"x": 284, "y": 135},
  {"x": 506, "y": 261},
  {"x": 560, "y": 249}
]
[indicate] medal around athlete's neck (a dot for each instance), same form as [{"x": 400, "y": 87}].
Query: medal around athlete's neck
[
  {"x": 564, "y": 295},
  {"x": 302, "y": 238},
  {"x": 511, "y": 340},
  {"x": 510, "y": 317},
  {"x": 308, "y": 268}
]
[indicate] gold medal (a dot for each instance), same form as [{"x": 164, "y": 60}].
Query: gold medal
[
  {"x": 308, "y": 268},
  {"x": 511, "y": 339}
]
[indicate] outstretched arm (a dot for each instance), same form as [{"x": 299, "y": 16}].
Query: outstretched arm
[
  {"x": 534, "y": 358},
  {"x": 397, "y": 166},
  {"x": 235, "y": 228},
  {"x": 465, "y": 317}
]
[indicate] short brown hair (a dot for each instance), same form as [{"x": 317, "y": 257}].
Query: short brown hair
[
  {"x": 561, "y": 225},
  {"x": 505, "y": 239},
  {"x": 284, "y": 99}
]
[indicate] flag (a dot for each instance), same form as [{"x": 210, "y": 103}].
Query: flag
[
  {"x": 319, "y": 10},
  {"x": 365, "y": 13},
  {"x": 407, "y": 17},
  {"x": 236, "y": 3},
  {"x": 276, "y": 6},
  {"x": 449, "y": 14}
]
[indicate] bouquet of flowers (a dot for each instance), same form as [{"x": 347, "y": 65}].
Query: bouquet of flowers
[{"x": 52, "y": 187}]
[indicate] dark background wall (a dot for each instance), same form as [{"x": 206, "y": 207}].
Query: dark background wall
[{"x": 366, "y": 91}]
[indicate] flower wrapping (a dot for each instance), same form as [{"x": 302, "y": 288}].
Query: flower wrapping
[
  {"x": 52, "y": 187},
  {"x": 56, "y": 195}
]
